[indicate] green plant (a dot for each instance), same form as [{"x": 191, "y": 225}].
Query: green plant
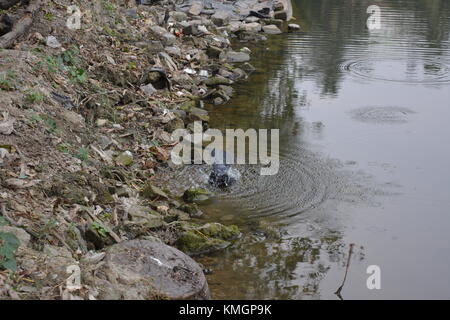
[
  {"x": 77, "y": 74},
  {"x": 82, "y": 154},
  {"x": 3, "y": 221},
  {"x": 49, "y": 16},
  {"x": 32, "y": 97},
  {"x": 51, "y": 124},
  {"x": 63, "y": 147},
  {"x": 108, "y": 6},
  {"x": 100, "y": 229},
  {"x": 6, "y": 80},
  {"x": 37, "y": 118},
  {"x": 8, "y": 247}
]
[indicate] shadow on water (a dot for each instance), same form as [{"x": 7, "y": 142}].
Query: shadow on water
[{"x": 348, "y": 102}]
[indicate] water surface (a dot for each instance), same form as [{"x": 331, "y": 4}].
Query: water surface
[{"x": 364, "y": 157}]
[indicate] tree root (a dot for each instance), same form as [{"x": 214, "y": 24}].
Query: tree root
[
  {"x": 22, "y": 26},
  {"x": 6, "y": 4}
]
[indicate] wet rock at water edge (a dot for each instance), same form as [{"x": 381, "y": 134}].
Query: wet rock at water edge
[
  {"x": 293, "y": 27},
  {"x": 237, "y": 57},
  {"x": 271, "y": 29},
  {"x": 251, "y": 27},
  {"x": 196, "y": 195},
  {"x": 217, "y": 81},
  {"x": 151, "y": 192},
  {"x": 282, "y": 15},
  {"x": 211, "y": 237},
  {"x": 145, "y": 270}
]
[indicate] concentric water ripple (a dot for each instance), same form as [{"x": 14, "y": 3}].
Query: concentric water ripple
[
  {"x": 377, "y": 114},
  {"x": 304, "y": 182},
  {"x": 398, "y": 70}
]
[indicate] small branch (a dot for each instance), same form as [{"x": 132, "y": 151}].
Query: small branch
[
  {"x": 7, "y": 217},
  {"x": 22, "y": 26},
  {"x": 350, "y": 252}
]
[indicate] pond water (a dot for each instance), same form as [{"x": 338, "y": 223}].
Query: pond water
[{"x": 364, "y": 146}]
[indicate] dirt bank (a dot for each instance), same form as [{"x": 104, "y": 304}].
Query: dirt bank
[{"x": 85, "y": 127}]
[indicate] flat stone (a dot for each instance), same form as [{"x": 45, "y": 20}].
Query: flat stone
[
  {"x": 251, "y": 27},
  {"x": 196, "y": 8},
  {"x": 149, "y": 89},
  {"x": 237, "y": 57},
  {"x": 22, "y": 235},
  {"x": 251, "y": 19},
  {"x": 178, "y": 16},
  {"x": 271, "y": 29}
]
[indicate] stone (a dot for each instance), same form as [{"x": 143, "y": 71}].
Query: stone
[
  {"x": 174, "y": 124},
  {"x": 213, "y": 52},
  {"x": 237, "y": 57},
  {"x": 197, "y": 114},
  {"x": 251, "y": 27},
  {"x": 278, "y": 6},
  {"x": 151, "y": 192},
  {"x": 148, "y": 89},
  {"x": 248, "y": 68},
  {"x": 22, "y": 235},
  {"x": 101, "y": 122},
  {"x": 125, "y": 159},
  {"x": 271, "y": 29},
  {"x": 293, "y": 27},
  {"x": 217, "y": 80},
  {"x": 148, "y": 269},
  {"x": 277, "y": 22},
  {"x": 211, "y": 237},
  {"x": 163, "y": 35},
  {"x": 220, "y": 18},
  {"x": 282, "y": 15},
  {"x": 196, "y": 195},
  {"x": 174, "y": 51},
  {"x": 178, "y": 16},
  {"x": 196, "y": 8},
  {"x": 251, "y": 19},
  {"x": 132, "y": 13},
  {"x": 52, "y": 42}
]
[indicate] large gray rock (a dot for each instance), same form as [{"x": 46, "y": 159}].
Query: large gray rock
[
  {"x": 236, "y": 57},
  {"x": 148, "y": 269}
]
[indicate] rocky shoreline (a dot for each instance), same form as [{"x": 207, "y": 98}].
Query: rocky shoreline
[{"x": 85, "y": 128}]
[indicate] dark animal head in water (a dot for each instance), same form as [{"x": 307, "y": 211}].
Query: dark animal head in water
[{"x": 222, "y": 175}]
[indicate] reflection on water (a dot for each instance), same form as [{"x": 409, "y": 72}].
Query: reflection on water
[{"x": 364, "y": 157}]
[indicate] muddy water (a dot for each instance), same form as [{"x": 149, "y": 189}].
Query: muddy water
[{"x": 363, "y": 118}]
